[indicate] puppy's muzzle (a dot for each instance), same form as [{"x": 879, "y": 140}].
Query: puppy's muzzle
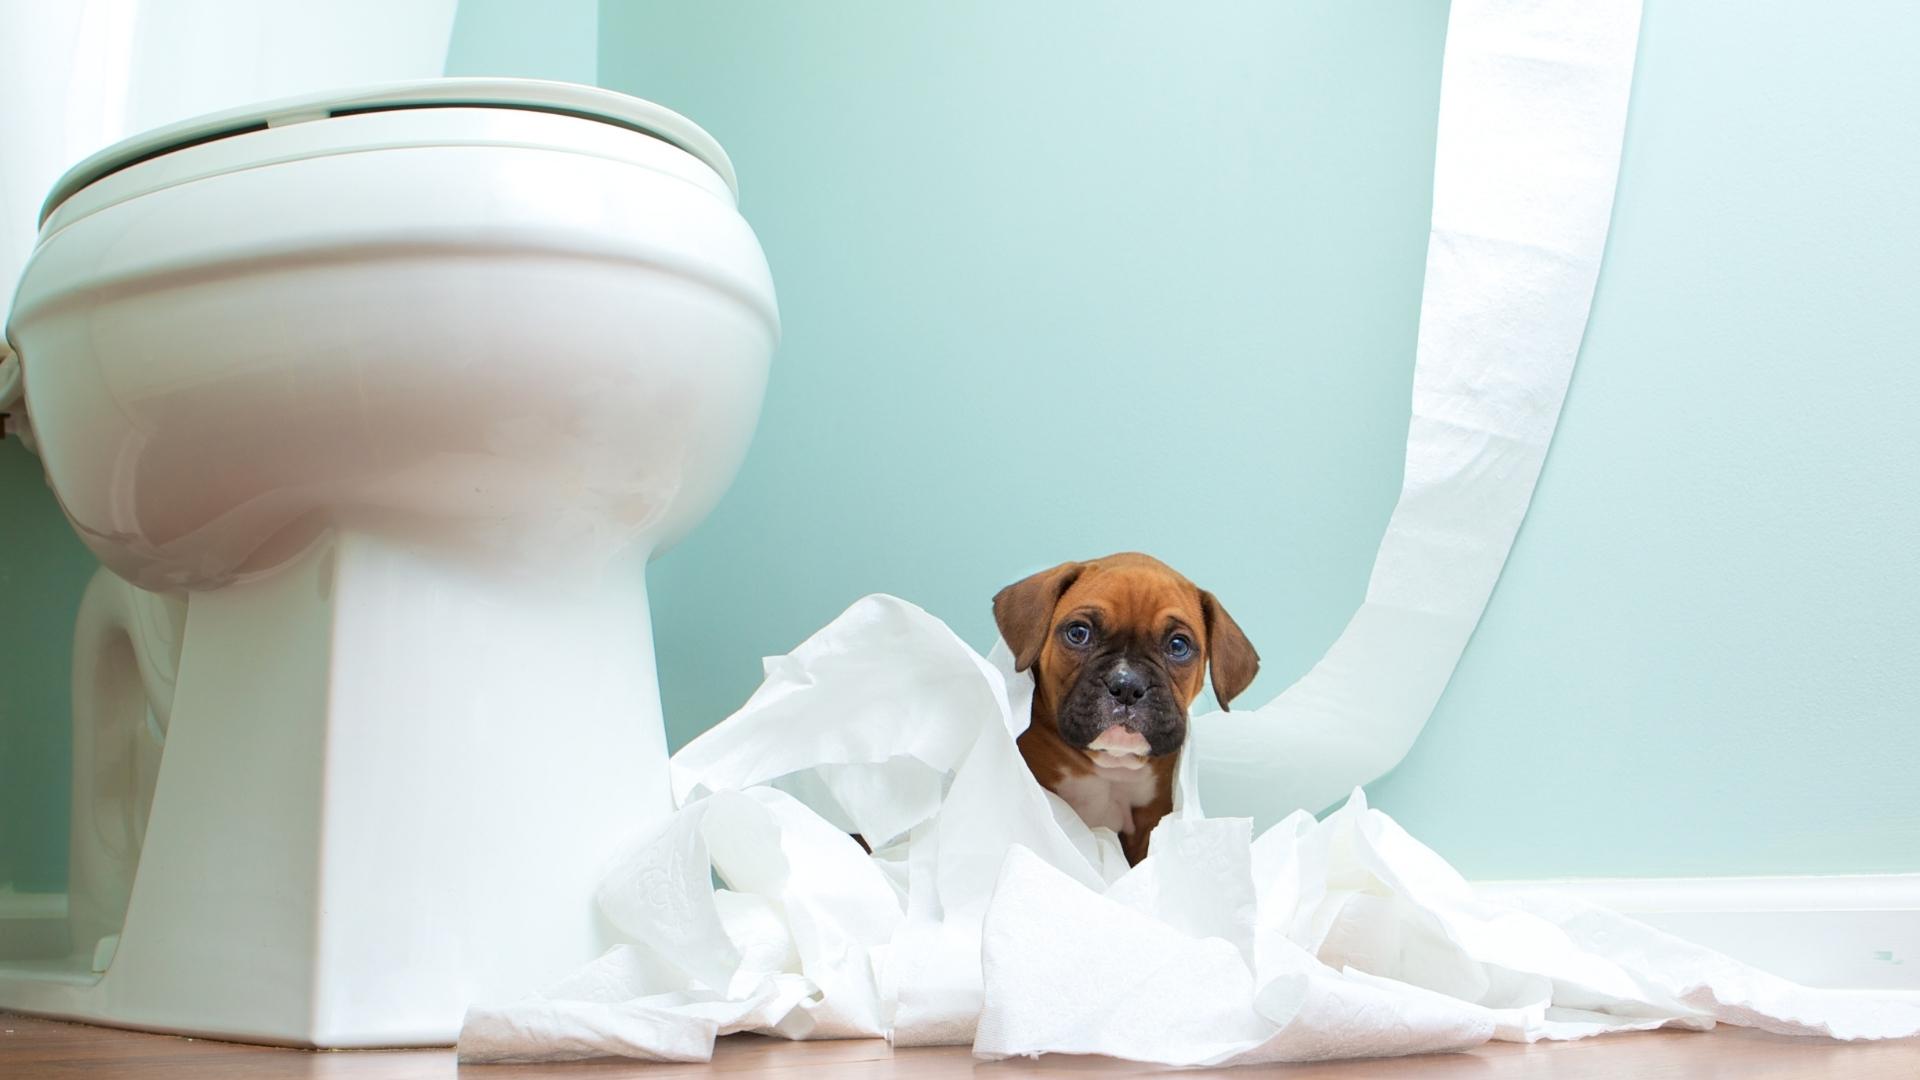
[{"x": 1121, "y": 716}]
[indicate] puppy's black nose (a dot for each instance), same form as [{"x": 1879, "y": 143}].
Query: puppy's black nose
[{"x": 1126, "y": 685}]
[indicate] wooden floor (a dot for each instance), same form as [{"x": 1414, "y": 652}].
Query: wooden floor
[{"x": 31, "y": 1048}]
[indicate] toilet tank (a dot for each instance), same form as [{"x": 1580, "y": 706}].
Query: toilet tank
[{"x": 83, "y": 74}]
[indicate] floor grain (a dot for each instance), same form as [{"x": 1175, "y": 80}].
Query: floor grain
[{"x": 32, "y": 1048}]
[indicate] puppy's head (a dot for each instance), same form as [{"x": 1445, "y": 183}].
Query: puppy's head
[{"x": 1119, "y": 648}]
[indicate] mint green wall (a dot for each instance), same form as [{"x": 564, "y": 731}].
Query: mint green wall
[
  {"x": 1704, "y": 656},
  {"x": 1060, "y": 279},
  {"x": 529, "y": 39},
  {"x": 1065, "y": 278},
  {"x": 1028, "y": 260}
]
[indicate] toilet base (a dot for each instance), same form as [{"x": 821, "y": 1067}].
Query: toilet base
[{"x": 390, "y": 782}]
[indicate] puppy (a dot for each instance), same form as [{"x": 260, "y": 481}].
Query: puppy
[{"x": 1117, "y": 647}]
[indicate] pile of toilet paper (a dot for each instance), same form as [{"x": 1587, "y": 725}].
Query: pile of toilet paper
[{"x": 988, "y": 914}]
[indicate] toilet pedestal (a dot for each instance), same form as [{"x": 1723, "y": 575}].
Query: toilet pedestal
[{"x": 391, "y": 780}]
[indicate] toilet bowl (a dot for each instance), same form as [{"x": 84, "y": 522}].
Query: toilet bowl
[{"x": 374, "y": 406}]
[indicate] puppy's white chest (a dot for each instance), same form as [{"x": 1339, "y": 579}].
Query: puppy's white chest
[{"x": 1107, "y": 797}]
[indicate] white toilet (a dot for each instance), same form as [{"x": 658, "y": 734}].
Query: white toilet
[{"x": 375, "y": 405}]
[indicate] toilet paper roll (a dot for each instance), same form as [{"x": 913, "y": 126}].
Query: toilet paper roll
[{"x": 1533, "y": 107}]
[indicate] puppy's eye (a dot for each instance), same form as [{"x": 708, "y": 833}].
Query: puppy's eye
[
  {"x": 1077, "y": 634},
  {"x": 1179, "y": 647}
]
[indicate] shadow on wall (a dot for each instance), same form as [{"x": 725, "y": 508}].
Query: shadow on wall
[{"x": 43, "y": 569}]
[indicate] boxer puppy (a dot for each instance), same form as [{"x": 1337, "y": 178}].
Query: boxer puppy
[{"x": 1117, "y": 647}]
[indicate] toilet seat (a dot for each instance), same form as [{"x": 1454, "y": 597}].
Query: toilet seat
[{"x": 438, "y": 112}]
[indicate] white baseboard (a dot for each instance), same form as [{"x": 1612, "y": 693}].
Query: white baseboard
[
  {"x": 32, "y": 925},
  {"x": 1858, "y": 931}
]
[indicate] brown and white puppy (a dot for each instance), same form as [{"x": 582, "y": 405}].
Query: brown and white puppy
[{"x": 1118, "y": 647}]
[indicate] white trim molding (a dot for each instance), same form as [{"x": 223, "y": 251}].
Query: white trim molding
[
  {"x": 33, "y": 926},
  {"x": 1853, "y": 931},
  {"x": 1858, "y": 931}
]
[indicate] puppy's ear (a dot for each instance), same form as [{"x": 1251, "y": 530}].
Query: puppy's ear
[
  {"x": 1230, "y": 656},
  {"x": 1024, "y": 609}
]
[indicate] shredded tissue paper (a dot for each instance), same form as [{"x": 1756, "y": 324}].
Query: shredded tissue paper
[{"x": 989, "y": 914}]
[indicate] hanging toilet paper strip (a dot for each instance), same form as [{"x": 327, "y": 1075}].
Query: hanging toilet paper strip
[
  {"x": 1533, "y": 106},
  {"x": 989, "y": 914}
]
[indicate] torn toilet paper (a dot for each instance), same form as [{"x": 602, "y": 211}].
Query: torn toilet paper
[{"x": 989, "y": 914}]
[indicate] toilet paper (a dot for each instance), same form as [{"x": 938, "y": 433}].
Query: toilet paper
[
  {"x": 988, "y": 913},
  {"x": 1533, "y": 108}
]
